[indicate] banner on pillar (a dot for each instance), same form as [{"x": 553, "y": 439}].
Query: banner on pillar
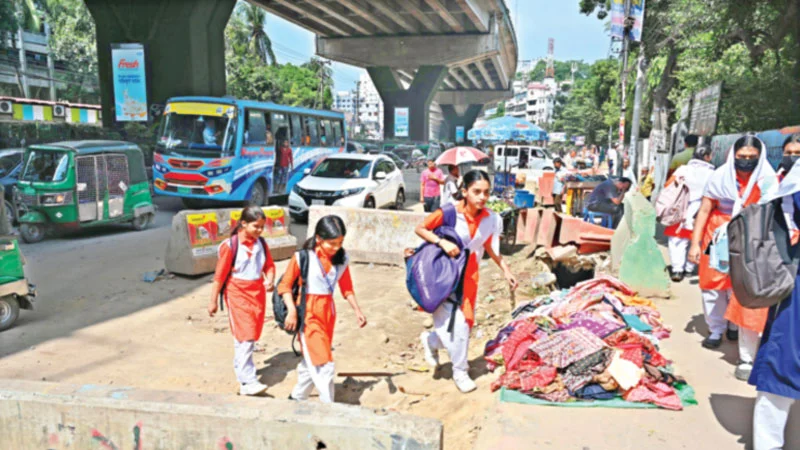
[
  {"x": 401, "y": 122},
  {"x": 459, "y": 134},
  {"x": 130, "y": 82},
  {"x": 618, "y": 19}
]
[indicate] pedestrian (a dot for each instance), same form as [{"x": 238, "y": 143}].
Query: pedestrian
[
  {"x": 479, "y": 229},
  {"x": 791, "y": 153},
  {"x": 695, "y": 175},
  {"x": 286, "y": 162},
  {"x": 327, "y": 267},
  {"x": 681, "y": 159},
  {"x": 430, "y": 187},
  {"x": 246, "y": 282},
  {"x": 649, "y": 182},
  {"x": 607, "y": 198},
  {"x": 450, "y": 185},
  {"x": 612, "y": 160},
  {"x": 570, "y": 159},
  {"x": 743, "y": 180},
  {"x": 627, "y": 172},
  {"x": 558, "y": 184},
  {"x": 776, "y": 370}
]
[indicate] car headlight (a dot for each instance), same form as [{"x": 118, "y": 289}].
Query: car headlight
[
  {"x": 349, "y": 192},
  {"x": 298, "y": 190},
  {"x": 55, "y": 198}
]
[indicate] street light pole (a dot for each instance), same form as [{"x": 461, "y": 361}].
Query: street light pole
[
  {"x": 624, "y": 86},
  {"x": 637, "y": 111}
]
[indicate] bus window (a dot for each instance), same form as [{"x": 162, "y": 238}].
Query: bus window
[
  {"x": 326, "y": 133},
  {"x": 297, "y": 130},
  {"x": 280, "y": 126},
  {"x": 255, "y": 128},
  {"x": 312, "y": 130},
  {"x": 337, "y": 133}
]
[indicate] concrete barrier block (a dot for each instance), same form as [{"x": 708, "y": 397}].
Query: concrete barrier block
[
  {"x": 373, "y": 235},
  {"x": 55, "y": 416},
  {"x": 196, "y": 234}
]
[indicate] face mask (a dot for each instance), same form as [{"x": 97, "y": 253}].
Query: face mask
[
  {"x": 745, "y": 165},
  {"x": 788, "y": 161}
]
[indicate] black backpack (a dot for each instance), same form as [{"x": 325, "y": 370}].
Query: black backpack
[
  {"x": 298, "y": 291},
  {"x": 235, "y": 250}
]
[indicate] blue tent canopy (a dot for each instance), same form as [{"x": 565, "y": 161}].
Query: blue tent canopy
[{"x": 507, "y": 129}]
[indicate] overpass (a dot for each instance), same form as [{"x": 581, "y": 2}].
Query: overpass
[{"x": 458, "y": 54}]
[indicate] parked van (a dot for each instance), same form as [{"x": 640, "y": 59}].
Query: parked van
[{"x": 507, "y": 157}]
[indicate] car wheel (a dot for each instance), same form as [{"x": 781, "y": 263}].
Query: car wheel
[
  {"x": 400, "y": 200},
  {"x": 32, "y": 232},
  {"x": 369, "y": 203},
  {"x": 258, "y": 194},
  {"x": 9, "y": 311}
]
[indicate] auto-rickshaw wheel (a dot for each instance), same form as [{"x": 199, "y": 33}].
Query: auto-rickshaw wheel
[
  {"x": 142, "y": 222},
  {"x": 32, "y": 232},
  {"x": 9, "y": 311}
]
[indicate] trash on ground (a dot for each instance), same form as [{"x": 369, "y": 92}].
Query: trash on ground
[{"x": 153, "y": 276}]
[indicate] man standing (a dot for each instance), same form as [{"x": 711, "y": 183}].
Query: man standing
[
  {"x": 607, "y": 198},
  {"x": 683, "y": 158},
  {"x": 612, "y": 161},
  {"x": 286, "y": 163},
  {"x": 429, "y": 191},
  {"x": 627, "y": 172},
  {"x": 558, "y": 184},
  {"x": 450, "y": 185}
]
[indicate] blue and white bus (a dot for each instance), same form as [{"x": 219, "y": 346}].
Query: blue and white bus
[{"x": 223, "y": 149}]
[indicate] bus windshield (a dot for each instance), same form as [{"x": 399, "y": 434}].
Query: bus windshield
[{"x": 204, "y": 135}]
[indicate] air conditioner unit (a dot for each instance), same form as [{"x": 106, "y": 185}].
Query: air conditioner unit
[
  {"x": 5, "y": 107},
  {"x": 59, "y": 111}
]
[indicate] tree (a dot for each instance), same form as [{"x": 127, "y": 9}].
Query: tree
[
  {"x": 73, "y": 42},
  {"x": 256, "y": 20}
]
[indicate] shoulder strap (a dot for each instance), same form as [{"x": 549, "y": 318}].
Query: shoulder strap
[
  {"x": 449, "y": 215},
  {"x": 302, "y": 261},
  {"x": 234, "y": 243},
  {"x": 264, "y": 245}
]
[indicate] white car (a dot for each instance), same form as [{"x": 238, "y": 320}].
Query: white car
[{"x": 349, "y": 180}]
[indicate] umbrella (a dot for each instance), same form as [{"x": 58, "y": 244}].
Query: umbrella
[
  {"x": 507, "y": 129},
  {"x": 460, "y": 155}
]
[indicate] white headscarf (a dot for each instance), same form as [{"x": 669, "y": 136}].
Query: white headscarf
[{"x": 723, "y": 185}]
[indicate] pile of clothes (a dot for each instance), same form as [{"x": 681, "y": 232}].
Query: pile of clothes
[{"x": 597, "y": 341}]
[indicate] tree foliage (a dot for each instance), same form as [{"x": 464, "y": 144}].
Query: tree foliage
[{"x": 73, "y": 42}]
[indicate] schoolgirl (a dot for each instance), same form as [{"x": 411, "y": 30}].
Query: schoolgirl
[
  {"x": 247, "y": 281},
  {"x": 327, "y": 267},
  {"x": 479, "y": 229}
]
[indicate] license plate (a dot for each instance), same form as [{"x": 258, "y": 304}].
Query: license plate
[
  {"x": 184, "y": 190},
  {"x": 317, "y": 202}
]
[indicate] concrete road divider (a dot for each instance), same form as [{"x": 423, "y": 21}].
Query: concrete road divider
[
  {"x": 50, "y": 415},
  {"x": 373, "y": 235},
  {"x": 195, "y": 236}
]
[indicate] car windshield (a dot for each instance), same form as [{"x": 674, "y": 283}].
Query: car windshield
[
  {"x": 46, "y": 165},
  {"x": 202, "y": 135},
  {"x": 342, "y": 168},
  {"x": 9, "y": 162}
]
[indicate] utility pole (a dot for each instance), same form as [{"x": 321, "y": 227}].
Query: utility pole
[
  {"x": 641, "y": 67},
  {"x": 323, "y": 76},
  {"x": 356, "y": 128},
  {"x": 624, "y": 84}
]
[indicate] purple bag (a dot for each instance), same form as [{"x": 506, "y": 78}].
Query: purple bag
[{"x": 431, "y": 275}]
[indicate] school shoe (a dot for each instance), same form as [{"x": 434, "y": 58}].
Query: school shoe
[
  {"x": 677, "y": 277},
  {"x": 431, "y": 355},
  {"x": 252, "y": 389},
  {"x": 712, "y": 342},
  {"x": 464, "y": 383},
  {"x": 732, "y": 335},
  {"x": 743, "y": 370}
]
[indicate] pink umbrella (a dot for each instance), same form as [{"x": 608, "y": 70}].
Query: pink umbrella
[{"x": 460, "y": 155}]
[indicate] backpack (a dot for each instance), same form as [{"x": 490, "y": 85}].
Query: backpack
[
  {"x": 279, "y": 310},
  {"x": 763, "y": 264},
  {"x": 432, "y": 276},
  {"x": 235, "y": 250},
  {"x": 672, "y": 203}
]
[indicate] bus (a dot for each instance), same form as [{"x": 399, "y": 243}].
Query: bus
[{"x": 224, "y": 149}]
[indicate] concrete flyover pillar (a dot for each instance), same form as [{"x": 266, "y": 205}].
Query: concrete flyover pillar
[
  {"x": 454, "y": 119},
  {"x": 417, "y": 98},
  {"x": 183, "y": 40}
]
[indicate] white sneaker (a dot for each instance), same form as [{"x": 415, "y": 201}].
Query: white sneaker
[
  {"x": 252, "y": 389},
  {"x": 464, "y": 383},
  {"x": 431, "y": 356}
]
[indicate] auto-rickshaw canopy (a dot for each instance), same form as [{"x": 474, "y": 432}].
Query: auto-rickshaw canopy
[{"x": 136, "y": 169}]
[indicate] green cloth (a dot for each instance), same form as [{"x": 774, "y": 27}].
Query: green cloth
[
  {"x": 681, "y": 159},
  {"x": 636, "y": 323},
  {"x": 685, "y": 392}
]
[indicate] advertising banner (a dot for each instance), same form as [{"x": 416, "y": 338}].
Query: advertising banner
[
  {"x": 203, "y": 233},
  {"x": 558, "y": 137},
  {"x": 618, "y": 19},
  {"x": 459, "y": 134},
  {"x": 401, "y": 122},
  {"x": 275, "y": 226},
  {"x": 705, "y": 109},
  {"x": 130, "y": 82}
]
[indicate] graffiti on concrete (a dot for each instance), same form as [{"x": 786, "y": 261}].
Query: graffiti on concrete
[{"x": 64, "y": 437}]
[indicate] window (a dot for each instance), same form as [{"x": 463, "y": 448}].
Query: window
[
  {"x": 499, "y": 151},
  {"x": 297, "y": 130},
  {"x": 326, "y": 132},
  {"x": 337, "y": 133},
  {"x": 280, "y": 126},
  {"x": 390, "y": 167},
  {"x": 312, "y": 131},
  {"x": 255, "y": 127},
  {"x": 512, "y": 152}
]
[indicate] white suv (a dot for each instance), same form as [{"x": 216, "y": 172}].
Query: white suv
[{"x": 349, "y": 180}]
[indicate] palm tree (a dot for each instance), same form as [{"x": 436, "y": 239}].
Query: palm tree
[{"x": 256, "y": 20}]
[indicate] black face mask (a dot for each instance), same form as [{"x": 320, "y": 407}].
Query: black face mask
[
  {"x": 745, "y": 165},
  {"x": 788, "y": 162}
]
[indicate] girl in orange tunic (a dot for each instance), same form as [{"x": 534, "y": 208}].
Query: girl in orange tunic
[
  {"x": 743, "y": 180},
  {"x": 327, "y": 266},
  {"x": 248, "y": 281},
  {"x": 479, "y": 230}
]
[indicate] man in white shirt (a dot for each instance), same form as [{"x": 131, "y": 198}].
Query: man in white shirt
[
  {"x": 627, "y": 172},
  {"x": 612, "y": 160},
  {"x": 450, "y": 185}
]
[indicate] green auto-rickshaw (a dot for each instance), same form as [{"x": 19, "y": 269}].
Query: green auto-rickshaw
[{"x": 79, "y": 184}]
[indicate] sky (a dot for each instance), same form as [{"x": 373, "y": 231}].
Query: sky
[{"x": 576, "y": 37}]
